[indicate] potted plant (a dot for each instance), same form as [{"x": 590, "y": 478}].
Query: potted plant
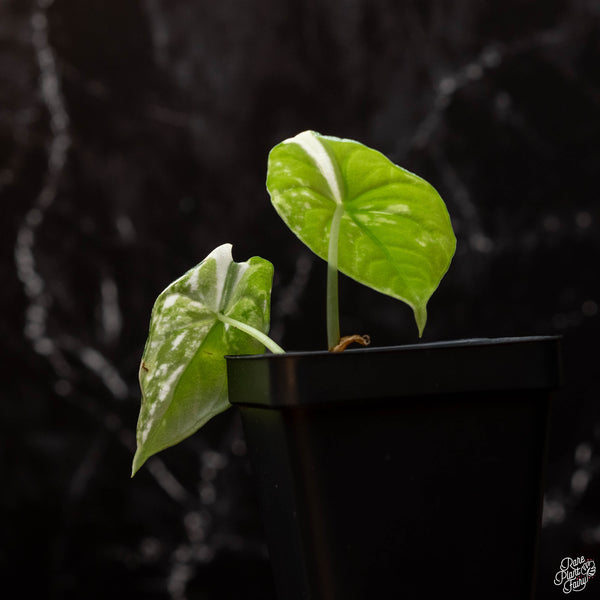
[{"x": 410, "y": 471}]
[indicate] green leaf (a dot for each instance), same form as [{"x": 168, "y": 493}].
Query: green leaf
[
  {"x": 395, "y": 234},
  {"x": 183, "y": 369}
]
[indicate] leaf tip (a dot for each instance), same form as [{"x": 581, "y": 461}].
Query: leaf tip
[
  {"x": 138, "y": 461},
  {"x": 420, "y": 318}
]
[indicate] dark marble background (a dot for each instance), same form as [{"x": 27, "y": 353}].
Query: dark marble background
[{"x": 133, "y": 140}]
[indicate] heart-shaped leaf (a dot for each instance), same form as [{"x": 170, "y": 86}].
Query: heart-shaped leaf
[
  {"x": 395, "y": 234},
  {"x": 183, "y": 370}
]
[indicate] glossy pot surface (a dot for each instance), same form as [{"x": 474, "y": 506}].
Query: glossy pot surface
[{"x": 411, "y": 472}]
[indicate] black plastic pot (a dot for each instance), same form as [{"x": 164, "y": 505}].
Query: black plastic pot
[{"x": 410, "y": 472}]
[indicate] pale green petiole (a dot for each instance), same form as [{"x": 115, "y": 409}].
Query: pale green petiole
[
  {"x": 257, "y": 335},
  {"x": 333, "y": 316}
]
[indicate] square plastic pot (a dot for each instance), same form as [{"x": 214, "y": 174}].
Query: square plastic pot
[{"x": 409, "y": 472}]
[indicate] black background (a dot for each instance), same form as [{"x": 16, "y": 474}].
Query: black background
[{"x": 133, "y": 140}]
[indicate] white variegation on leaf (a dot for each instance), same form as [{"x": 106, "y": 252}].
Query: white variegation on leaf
[
  {"x": 197, "y": 320},
  {"x": 373, "y": 220}
]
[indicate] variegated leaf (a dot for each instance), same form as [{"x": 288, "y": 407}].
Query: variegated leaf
[
  {"x": 395, "y": 234},
  {"x": 183, "y": 370}
]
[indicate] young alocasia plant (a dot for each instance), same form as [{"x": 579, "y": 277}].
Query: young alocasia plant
[{"x": 369, "y": 218}]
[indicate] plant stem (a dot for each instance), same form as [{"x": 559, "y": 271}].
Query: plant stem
[
  {"x": 333, "y": 311},
  {"x": 255, "y": 333}
]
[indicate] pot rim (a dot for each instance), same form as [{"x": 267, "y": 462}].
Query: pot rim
[
  {"x": 478, "y": 365},
  {"x": 442, "y": 344}
]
